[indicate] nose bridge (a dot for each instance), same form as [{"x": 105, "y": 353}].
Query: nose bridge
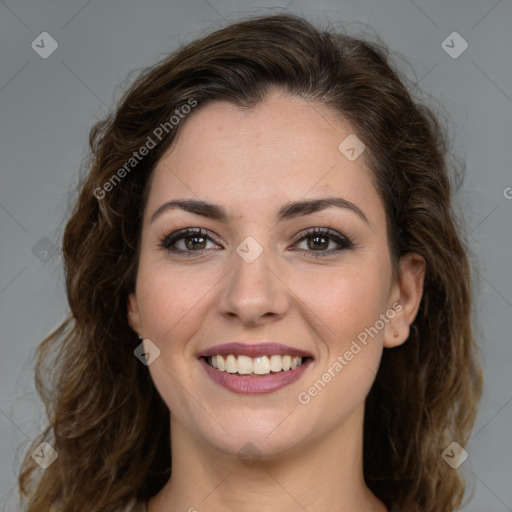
[{"x": 252, "y": 289}]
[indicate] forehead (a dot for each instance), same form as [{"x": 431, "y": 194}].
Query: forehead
[{"x": 285, "y": 148}]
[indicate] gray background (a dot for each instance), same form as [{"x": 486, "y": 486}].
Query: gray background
[{"x": 47, "y": 107}]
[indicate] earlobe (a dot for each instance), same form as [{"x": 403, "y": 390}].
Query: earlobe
[
  {"x": 133, "y": 313},
  {"x": 409, "y": 289}
]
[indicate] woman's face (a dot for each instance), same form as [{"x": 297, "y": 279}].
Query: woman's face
[{"x": 260, "y": 276}]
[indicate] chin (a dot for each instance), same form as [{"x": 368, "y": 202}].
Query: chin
[{"x": 262, "y": 435}]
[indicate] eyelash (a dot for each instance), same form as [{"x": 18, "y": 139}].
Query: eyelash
[{"x": 345, "y": 243}]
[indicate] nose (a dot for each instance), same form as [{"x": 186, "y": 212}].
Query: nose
[{"x": 253, "y": 291}]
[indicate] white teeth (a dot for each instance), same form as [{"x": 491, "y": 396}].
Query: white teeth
[
  {"x": 262, "y": 365},
  {"x": 244, "y": 365},
  {"x": 231, "y": 366},
  {"x": 276, "y": 363}
]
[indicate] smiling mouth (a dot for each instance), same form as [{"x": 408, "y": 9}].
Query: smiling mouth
[{"x": 255, "y": 366}]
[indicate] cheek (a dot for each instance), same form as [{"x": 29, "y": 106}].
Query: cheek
[
  {"x": 345, "y": 301},
  {"x": 347, "y": 313},
  {"x": 346, "y": 306},
  {"x": 170, "y": 304},
  {"x": 167, "y": 300}
]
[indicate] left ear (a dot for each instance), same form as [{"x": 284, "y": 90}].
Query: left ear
[{"x": 409, "y": 289}]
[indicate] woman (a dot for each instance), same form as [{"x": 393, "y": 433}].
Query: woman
[{"x": 267, "y": 281}]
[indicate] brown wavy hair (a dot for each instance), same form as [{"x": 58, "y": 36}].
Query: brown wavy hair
[{"x": 107, "y": 421}]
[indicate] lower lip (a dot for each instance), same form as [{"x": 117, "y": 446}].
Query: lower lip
[{"x": 246, "y": 385}]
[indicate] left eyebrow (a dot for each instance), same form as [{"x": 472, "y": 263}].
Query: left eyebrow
[
  {"x": 297, "y": 208},
  {"x": 288, "y": 211}
]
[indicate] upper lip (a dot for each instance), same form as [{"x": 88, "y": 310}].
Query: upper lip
[{"x": 253, "y": 350}]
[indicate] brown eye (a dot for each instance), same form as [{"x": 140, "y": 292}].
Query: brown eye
[
  {"x": 318, "y": 242},
  {"x": 193, "y": 240},
  {"x": 319, "y": 239}
]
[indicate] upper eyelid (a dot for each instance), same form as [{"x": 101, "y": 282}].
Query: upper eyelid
[
  {"x": 179, "y": 234},
  {"x": 319, "y": 230}
]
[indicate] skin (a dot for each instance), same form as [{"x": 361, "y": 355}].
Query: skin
[{"x": 252, "y": 163}]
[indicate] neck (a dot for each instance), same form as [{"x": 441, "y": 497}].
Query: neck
[{"x": 324, "y": 474}]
